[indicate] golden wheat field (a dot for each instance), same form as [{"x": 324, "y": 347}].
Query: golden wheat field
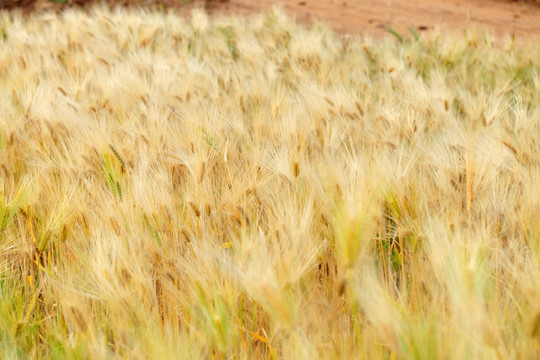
[{"x": 227, "y": 188}]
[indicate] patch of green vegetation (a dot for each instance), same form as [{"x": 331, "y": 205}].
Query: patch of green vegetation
[
  {"x": 395, "y": 33},
  {"x": 8, "y": 210},
  {"x": 414, "y": 33},
  {"x": 112, "y": 174},
  {"x": 228, "y": 33}
]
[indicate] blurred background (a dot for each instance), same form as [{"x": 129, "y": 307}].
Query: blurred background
[{"x": 520, "y": 18}]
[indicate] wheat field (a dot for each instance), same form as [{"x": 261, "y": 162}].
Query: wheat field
[{"x": 227, "y": 188}]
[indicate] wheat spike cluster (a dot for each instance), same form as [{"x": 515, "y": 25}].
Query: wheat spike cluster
[{"x": 228, "y": 188}]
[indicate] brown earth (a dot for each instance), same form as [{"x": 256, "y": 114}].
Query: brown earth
[
  {"x": 518, "y": 18},
  {"x": 359, "y": 16}
]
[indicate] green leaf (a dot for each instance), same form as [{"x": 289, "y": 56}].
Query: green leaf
[
  {"x": 395, "y": 33},
  {"x": 414, "y": 34}
]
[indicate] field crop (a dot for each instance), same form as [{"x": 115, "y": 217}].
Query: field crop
[{"x": 190, "y": 188}]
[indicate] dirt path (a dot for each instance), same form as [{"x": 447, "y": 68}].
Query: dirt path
[
  {"x": 521, "y": 18},
  {"x": 357, "y": 16}
]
